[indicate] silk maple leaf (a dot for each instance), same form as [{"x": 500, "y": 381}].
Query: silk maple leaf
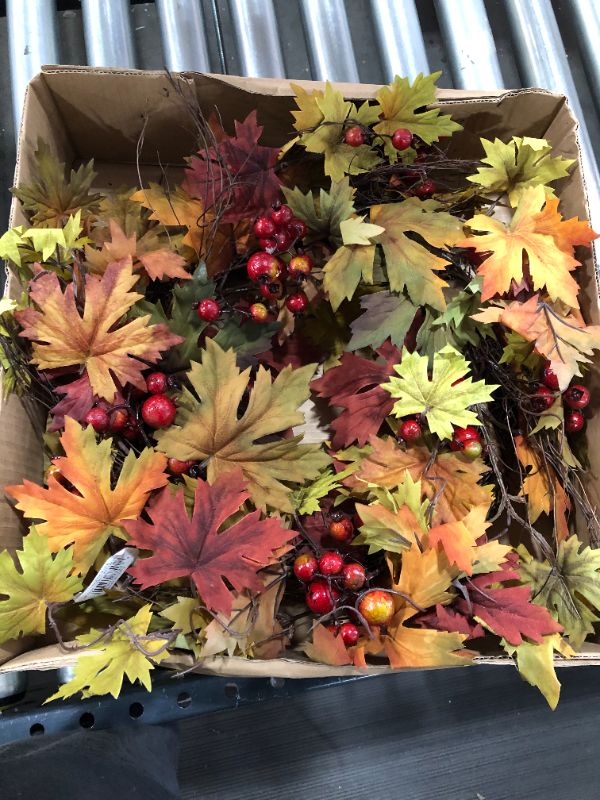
[
  {"x": 561, "y": 338},
  {"x": 41, "y": 580},
  {"x": 443, "y": 399},
  {"x": 77, "y": 401},
  {"x": 567, "y": 233},
  {"x": 570, "y": 588},
  {"x": 408, "y": 263},
  {"x": 327, "y": 647},
  {"x": 95, "y": 340},
  {"x": 535, "y": 663},
  {"x": 445, "y": 619},
  {"x": 130, "y": 652},
  {"x": 175, "y": 209},
  {"x": 426, "y": 577},
  {"x": 237, "y": 172},
  {"x": 88, "y": 516},
  {"x": 459, "y": 539},
  {"x": 354, "y": 386},
  {"x": 387, "y": 463},
  {"x": 548, "y": 266},
  {"x": 209, "y": 427},
  {"x": 198, "y": 548},
  {"x": 507, "y": 611},
  {"x": 148, "y": 253},
  {"x": 544, "y": 491}
]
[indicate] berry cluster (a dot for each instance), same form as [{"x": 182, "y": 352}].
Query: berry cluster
[
  {"x": 279, "y": 229},
  {"x": 576, "y": 397},
  {"x": 465, "y": 440}
]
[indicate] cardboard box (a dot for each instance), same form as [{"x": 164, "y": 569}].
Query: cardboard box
[{"x": 87, "y": 113}]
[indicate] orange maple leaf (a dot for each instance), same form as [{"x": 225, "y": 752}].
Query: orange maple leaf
[
  {"x": 426, "y": 577},
  {"x": 567, "y": 233},
  {"x": 548, "y": 265},
  {"x": 327, "y": 648},
  {"x": 544, "y": 491},
  {"x": 62, "y": 337},
  {"x": 147, "y": 253},
  {"x": 561, "y": 338},
  {"x": 459, "y": 539},
  {"x": 88, "y": 516},
  {"x": 451, "y": 479}
]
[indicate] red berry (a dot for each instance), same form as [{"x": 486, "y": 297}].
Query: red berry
[
  {"x": 273, "y": 290},
  {"x": 549, "y": 377},
  {"x": 264, "y": 227},
  {"x": 341, "y": 530},
  {"x": 259, "y": 312},
  {"x": 473, "y": 449},
  {"x": 118, "y": 420},
  {"x": 177, "y": 467},
  {"x": 377, "y": 607},
  {"x": 208, "y": 310},
  {"x": 305, "y": 567},
  {"x": 263, "y": 264},
  {"x": 297, "y": 302},
  {"x": 402, "y": 139},
  {"x": 425, "y": 189},
  {"x": 131, "y": 430},
  {"x": 462, "y": 436},
  {"x": 270, "y": 245},
  {"x": 354, "y": 576},
  {"x": 355, "y": 136},
  {"x": 98, "y": 418},
  {"x": 574, "y": 422},
  {"x": 297, "y": 228},
  {"x": 299, "y": 266},
  {"x": 156, "y": 382},
  {"x": 284, "y": 240},
  {"x": 159, "y": 411},
  {"x": 320, "y": 597},
  {"x": 349, "y": 633},
  {"x": 577, "y": 396},
  {"x": 410, "y": 430},
  {"x": 282, "y": 215},
  {"x": 331, "y": 563},
  {"x": 542, "y": 399}
]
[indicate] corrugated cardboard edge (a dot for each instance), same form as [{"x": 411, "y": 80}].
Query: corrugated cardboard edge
[{"x": 52, "y": 657}]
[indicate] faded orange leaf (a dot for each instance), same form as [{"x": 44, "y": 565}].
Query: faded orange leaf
[
  {"x": 458, "y": 539},
  {"x": 543, "y": 489}
]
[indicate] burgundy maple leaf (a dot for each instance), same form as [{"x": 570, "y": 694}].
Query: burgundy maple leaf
[
  {"x": 445, "y": 619},
  {"x": 355, "y": 387},
  {"x": 506, "y": 610},
  {"x": 195, "y": 547},
  {"x": 77, "y": 401},
  {"x": 237, "y": 173}
]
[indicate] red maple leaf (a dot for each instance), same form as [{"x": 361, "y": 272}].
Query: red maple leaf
[
  {"x": 238, "y": 172},
  {"x": 355, "y": 386},
  {"x": 194, "y": 547},
  {"x": 77, "y": 401},
  {"x": 445, "y": 619},
  {"x": 507, "y": 611}
]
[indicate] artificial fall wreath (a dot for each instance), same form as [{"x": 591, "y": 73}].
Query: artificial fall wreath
[{"x": 312, "y": 392}]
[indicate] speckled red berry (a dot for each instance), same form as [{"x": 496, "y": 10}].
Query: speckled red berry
[
  {"x": 300, "y": 266},
  {"x": 264, "y": 227},
  {"x": 305, "y": 566},
  {"x": 297, "y": 228},
  {"x": 549, "y": 377},
  {"x": 156, "y": 382},
  {"x": 282, "y": 215},
  {"x": 402, "y": 139},
  {"x": 354, "y": 136},
  {"x": 270, "y": 245},
  {"x": 354, "y": 576},
  {"x": 542, "y": 399},
  {"x": 320, "y": 597},
  {"x": 377, "y": 607},
  {"x": 341, "y": 529},
  {"x": 425, "y": 189},
  {"x": 98, "y": 418},
  {"x": 263, "y": 264},
  {"x": 577, "y": 397},
  {"x": 331, "y": 563},
  {"x": 259, "y": 312},
  {"x": 284, "y": 240},
  {"x": 297, "y": 302},
  {"x": 273, "y": 290},
  {"x": 410, "y": 430},
  {"x": 473, "y": 449},
  {"x": 349, "y": 633},
  {"x": 208, "y": 310},
  {"x": 462, "y": 436},
  {"x": 118, "y": 420},
  {"x": 159, "y": 411},
  {"x": 177, "y": 467},
  {"x": 574, "y": 422}
]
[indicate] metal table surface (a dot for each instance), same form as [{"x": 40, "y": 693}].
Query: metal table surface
[{"x": 469, "y": 734}]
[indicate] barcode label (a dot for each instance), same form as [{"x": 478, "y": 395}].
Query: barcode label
[{"x": 109, "y": 574}]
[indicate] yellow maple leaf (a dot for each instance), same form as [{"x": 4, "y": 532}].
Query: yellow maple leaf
[
  {"x": 535, "y": 663},
  {"x": 408, "y": 263},
  {"x": 426, "y": 577},
  {"x": 63, "y": 337},
  {"x": 102, "y": 668},
  {"x": 208, "y": 427},
  {"x": 544, "y": 491},
  {"x": 42, "y": 580},
  {"x": 344, "y": 270},
  {"x": 175, "y": 209},
  {"x": 87, "y": 518},
  {"x": 548, "y": 265}
]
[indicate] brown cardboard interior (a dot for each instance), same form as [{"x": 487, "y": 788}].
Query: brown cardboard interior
[{"x": 85, "y": 113}]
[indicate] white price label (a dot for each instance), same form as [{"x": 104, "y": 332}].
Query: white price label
[{"x": 109, "y": 574}]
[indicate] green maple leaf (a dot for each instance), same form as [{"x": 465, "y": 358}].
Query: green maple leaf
[
  {"x": 328, "y": 137},
  {"x": 322, "y": 215},
  {"x": 101, "y": 670},
  {"x": 41, "y": 580},
  {"x": 410, "y": 264},
  {"x": 50, "y": 199},
  {"x": 570, "y": 590},
  {"x": 514, "y": 166},
  {"x": 344, "y": 271},
  {"x": 401, "y": 106},
  {"x": 386, "y": 315},
  {"x": 519, "y": 351},
  {"x": 306, "y": 499},
  {"x": 444, "y": 402},
  {"x": 456, "y": 319}
]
